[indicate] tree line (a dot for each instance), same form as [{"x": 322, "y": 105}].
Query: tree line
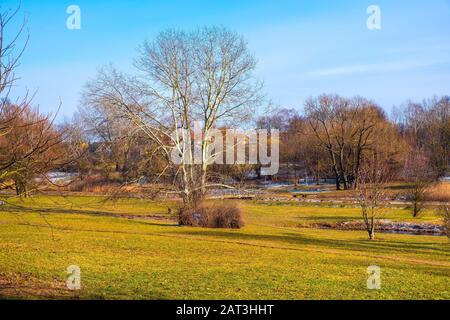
[
  {"x": 335, "y": 136},
  {"x": 123, "y": 130}
]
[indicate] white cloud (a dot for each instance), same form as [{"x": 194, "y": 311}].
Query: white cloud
[{"x": 376, "y": 68}]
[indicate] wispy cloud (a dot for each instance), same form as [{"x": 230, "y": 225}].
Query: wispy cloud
[{"x": 376, "y": 68}]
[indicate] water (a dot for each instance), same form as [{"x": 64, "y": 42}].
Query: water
[
  {"x": 308, "y": 191},
  {"x": 413, "y": 233}
]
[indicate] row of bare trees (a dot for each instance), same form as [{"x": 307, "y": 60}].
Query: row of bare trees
[
  {"x": 335, "y": 134},
  {"x": 426, "y": 127},
  {"x": 130, "y": 124}
]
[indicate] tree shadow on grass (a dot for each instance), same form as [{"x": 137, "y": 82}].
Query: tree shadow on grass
[
  {"x": 19, "y": 286},
  {"x": 74, "y": 211},
  {"x": 298, "y": 239}
]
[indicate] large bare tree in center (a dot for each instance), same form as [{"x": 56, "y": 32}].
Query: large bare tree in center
[{"x": 203, "y": 76}]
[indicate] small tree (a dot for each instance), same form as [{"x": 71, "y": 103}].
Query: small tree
[
  {"x": 417, "y": 193},
  {"x": 372, "y": 179},
  {"x": 420, "y": 177}
]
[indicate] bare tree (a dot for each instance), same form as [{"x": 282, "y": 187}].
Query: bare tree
[
  {"x": 373, "y": 177},
  {"x": 346, "y": 129},
  {"x": 29, "y": 142},
  {"x": 11, "y": 51},
  {"x": 115, "y": 135},
  {"x": 32, "y": 148},
  {"x": 418, "y": 173},
  {"x": 205, "y": 76},
  {"x": 426, "y": 127}
]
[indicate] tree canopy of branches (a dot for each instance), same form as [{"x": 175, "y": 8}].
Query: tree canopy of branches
[
  {"x": 115, "y": 138},
  {"x": 205, "y": 75},
  {"x": 30, "y": 148},
  {"x": 373, "y": 177},
  {"x": 346, "y": 129},
  {"x": 9, "y": 60},
  {"x": 426, "y": 128},
  {"x": 300, "y": 148},
  {"x": 418, "y": 172}
]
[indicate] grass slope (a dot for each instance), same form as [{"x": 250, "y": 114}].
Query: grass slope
[{"x": 273, "y": 257}]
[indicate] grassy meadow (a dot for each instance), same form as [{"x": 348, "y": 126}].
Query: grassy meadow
[{"x": 133, "y": 249}]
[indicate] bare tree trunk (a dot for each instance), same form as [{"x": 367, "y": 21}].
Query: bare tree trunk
[
  {"x": 372, "y": 233},
  {"x": 372, "y": 225},
  {"x": 318, "y": 174},
  {"x": 335, "y": 169}
]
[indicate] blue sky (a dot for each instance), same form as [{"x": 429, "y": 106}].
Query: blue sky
[{"x": 304, "y": 48}]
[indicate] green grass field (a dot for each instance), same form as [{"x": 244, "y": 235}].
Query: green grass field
[{"x": 149, "y": 257}]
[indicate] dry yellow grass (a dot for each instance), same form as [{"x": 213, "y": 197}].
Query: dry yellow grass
[
  {"x": 440, "y": 193},
  {"x": 153, "y": 258}
]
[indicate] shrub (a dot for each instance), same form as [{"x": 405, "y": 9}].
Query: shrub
[
  {"x": 186, "y": 217},
  {"x": 417, "y": 193},
  {"x": 213, "y": 215},
  {"x": 93, "y": 183}
]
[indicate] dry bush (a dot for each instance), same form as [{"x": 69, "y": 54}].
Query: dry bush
[
  {"x": 101, "y": 188},
  {"x": 224, "y": 215},
  {"x": 93, "y": 184},
  {"x": 439, "y": 193},
  {"x": 186, "y": 217}
]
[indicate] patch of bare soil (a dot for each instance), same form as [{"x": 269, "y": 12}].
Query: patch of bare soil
[{"x": 24, "y": 286}]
